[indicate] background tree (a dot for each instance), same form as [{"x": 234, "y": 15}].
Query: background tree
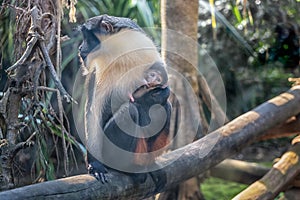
[{"x": 183, "y": 57}]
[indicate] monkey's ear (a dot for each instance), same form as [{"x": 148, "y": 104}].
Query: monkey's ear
[{"x": 106, "y": 27}]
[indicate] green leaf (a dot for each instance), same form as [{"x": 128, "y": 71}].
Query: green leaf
[
  {"x": 145, "y": 12},
  {"x": 50, "y": 173},
  {"x": 237, "y": 14}
]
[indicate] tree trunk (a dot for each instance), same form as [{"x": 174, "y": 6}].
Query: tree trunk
[{"x": 179, "y": 20}]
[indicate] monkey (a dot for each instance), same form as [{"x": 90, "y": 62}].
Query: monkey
[{"x": 127, "y": 111}]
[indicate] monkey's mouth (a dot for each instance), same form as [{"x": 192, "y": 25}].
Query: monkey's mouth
[{"x": 147, "y": 88}]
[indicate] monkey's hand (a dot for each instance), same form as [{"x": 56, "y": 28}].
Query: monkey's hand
[{"x": 98, "y": 170}]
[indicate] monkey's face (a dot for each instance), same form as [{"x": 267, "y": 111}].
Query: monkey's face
[
  {"x": 103, "y": 25},
  {"x": 155, "y": 77}
]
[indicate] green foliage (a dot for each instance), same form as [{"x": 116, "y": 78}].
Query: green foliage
[
  {"x": 217, "y": 189},
  {"x": 7, "y": 30},
  {"x": 141, "y": 10},
  {"x": 252, "y": 49},
  {"x": 237, "y": 13},
  {"x": 44, "y": 163},
  {"x": 261, "y": 84},
  {"x": 6, "y": 35}
]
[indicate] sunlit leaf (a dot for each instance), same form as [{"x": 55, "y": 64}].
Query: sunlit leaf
[{"x": 237, "y": 13}]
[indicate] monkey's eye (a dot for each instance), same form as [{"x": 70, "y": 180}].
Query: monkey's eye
[{"x": 152, "y": 74}]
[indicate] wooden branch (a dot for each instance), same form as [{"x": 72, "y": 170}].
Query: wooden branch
[
  {"x": 239, "y": 171},
  {"x": 180, "y": 164},
  {"x": 289, "y": 128},
  {"x": 276, "y": 179},
  {"x": 25, "y": 55},
  {"x": 37, "y": 38},
  {"x": 53, "y": 73},
  {"x": 33, "y": 37},
  {"x": 211, "y": 102}
]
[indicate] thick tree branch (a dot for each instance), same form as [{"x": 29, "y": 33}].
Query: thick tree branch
[{"x": 180, "y": 164}]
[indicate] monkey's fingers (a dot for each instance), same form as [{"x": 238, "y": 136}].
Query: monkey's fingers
[
  {"x": 101, "y": 177},
  {"x": 97, "y": 170}
]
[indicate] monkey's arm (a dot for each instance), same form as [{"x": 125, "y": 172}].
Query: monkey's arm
[
  {"x": 121, "y": 128},
  {"x": 114, "y": 135}
]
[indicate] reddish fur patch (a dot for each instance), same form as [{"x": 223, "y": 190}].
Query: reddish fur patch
[
  {"x": 161, "y": 141},
  {"x": 140, "y": 157},
  {"x": 147, "y": 156},
  {"x": 141, "y": 146}
]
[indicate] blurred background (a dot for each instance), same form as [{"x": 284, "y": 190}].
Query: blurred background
[{"x": 255, "y": 45}]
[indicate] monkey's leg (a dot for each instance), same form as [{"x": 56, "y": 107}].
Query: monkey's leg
[
  {"x": 115, "y": 134},
  {"x": 157, "y": 145},
  {"x": 129, "y": 140}
]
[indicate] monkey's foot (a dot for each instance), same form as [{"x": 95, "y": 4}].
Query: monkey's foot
[
  {"x": 98, "y": 171},
  {"x": 160, "y": 179}
]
